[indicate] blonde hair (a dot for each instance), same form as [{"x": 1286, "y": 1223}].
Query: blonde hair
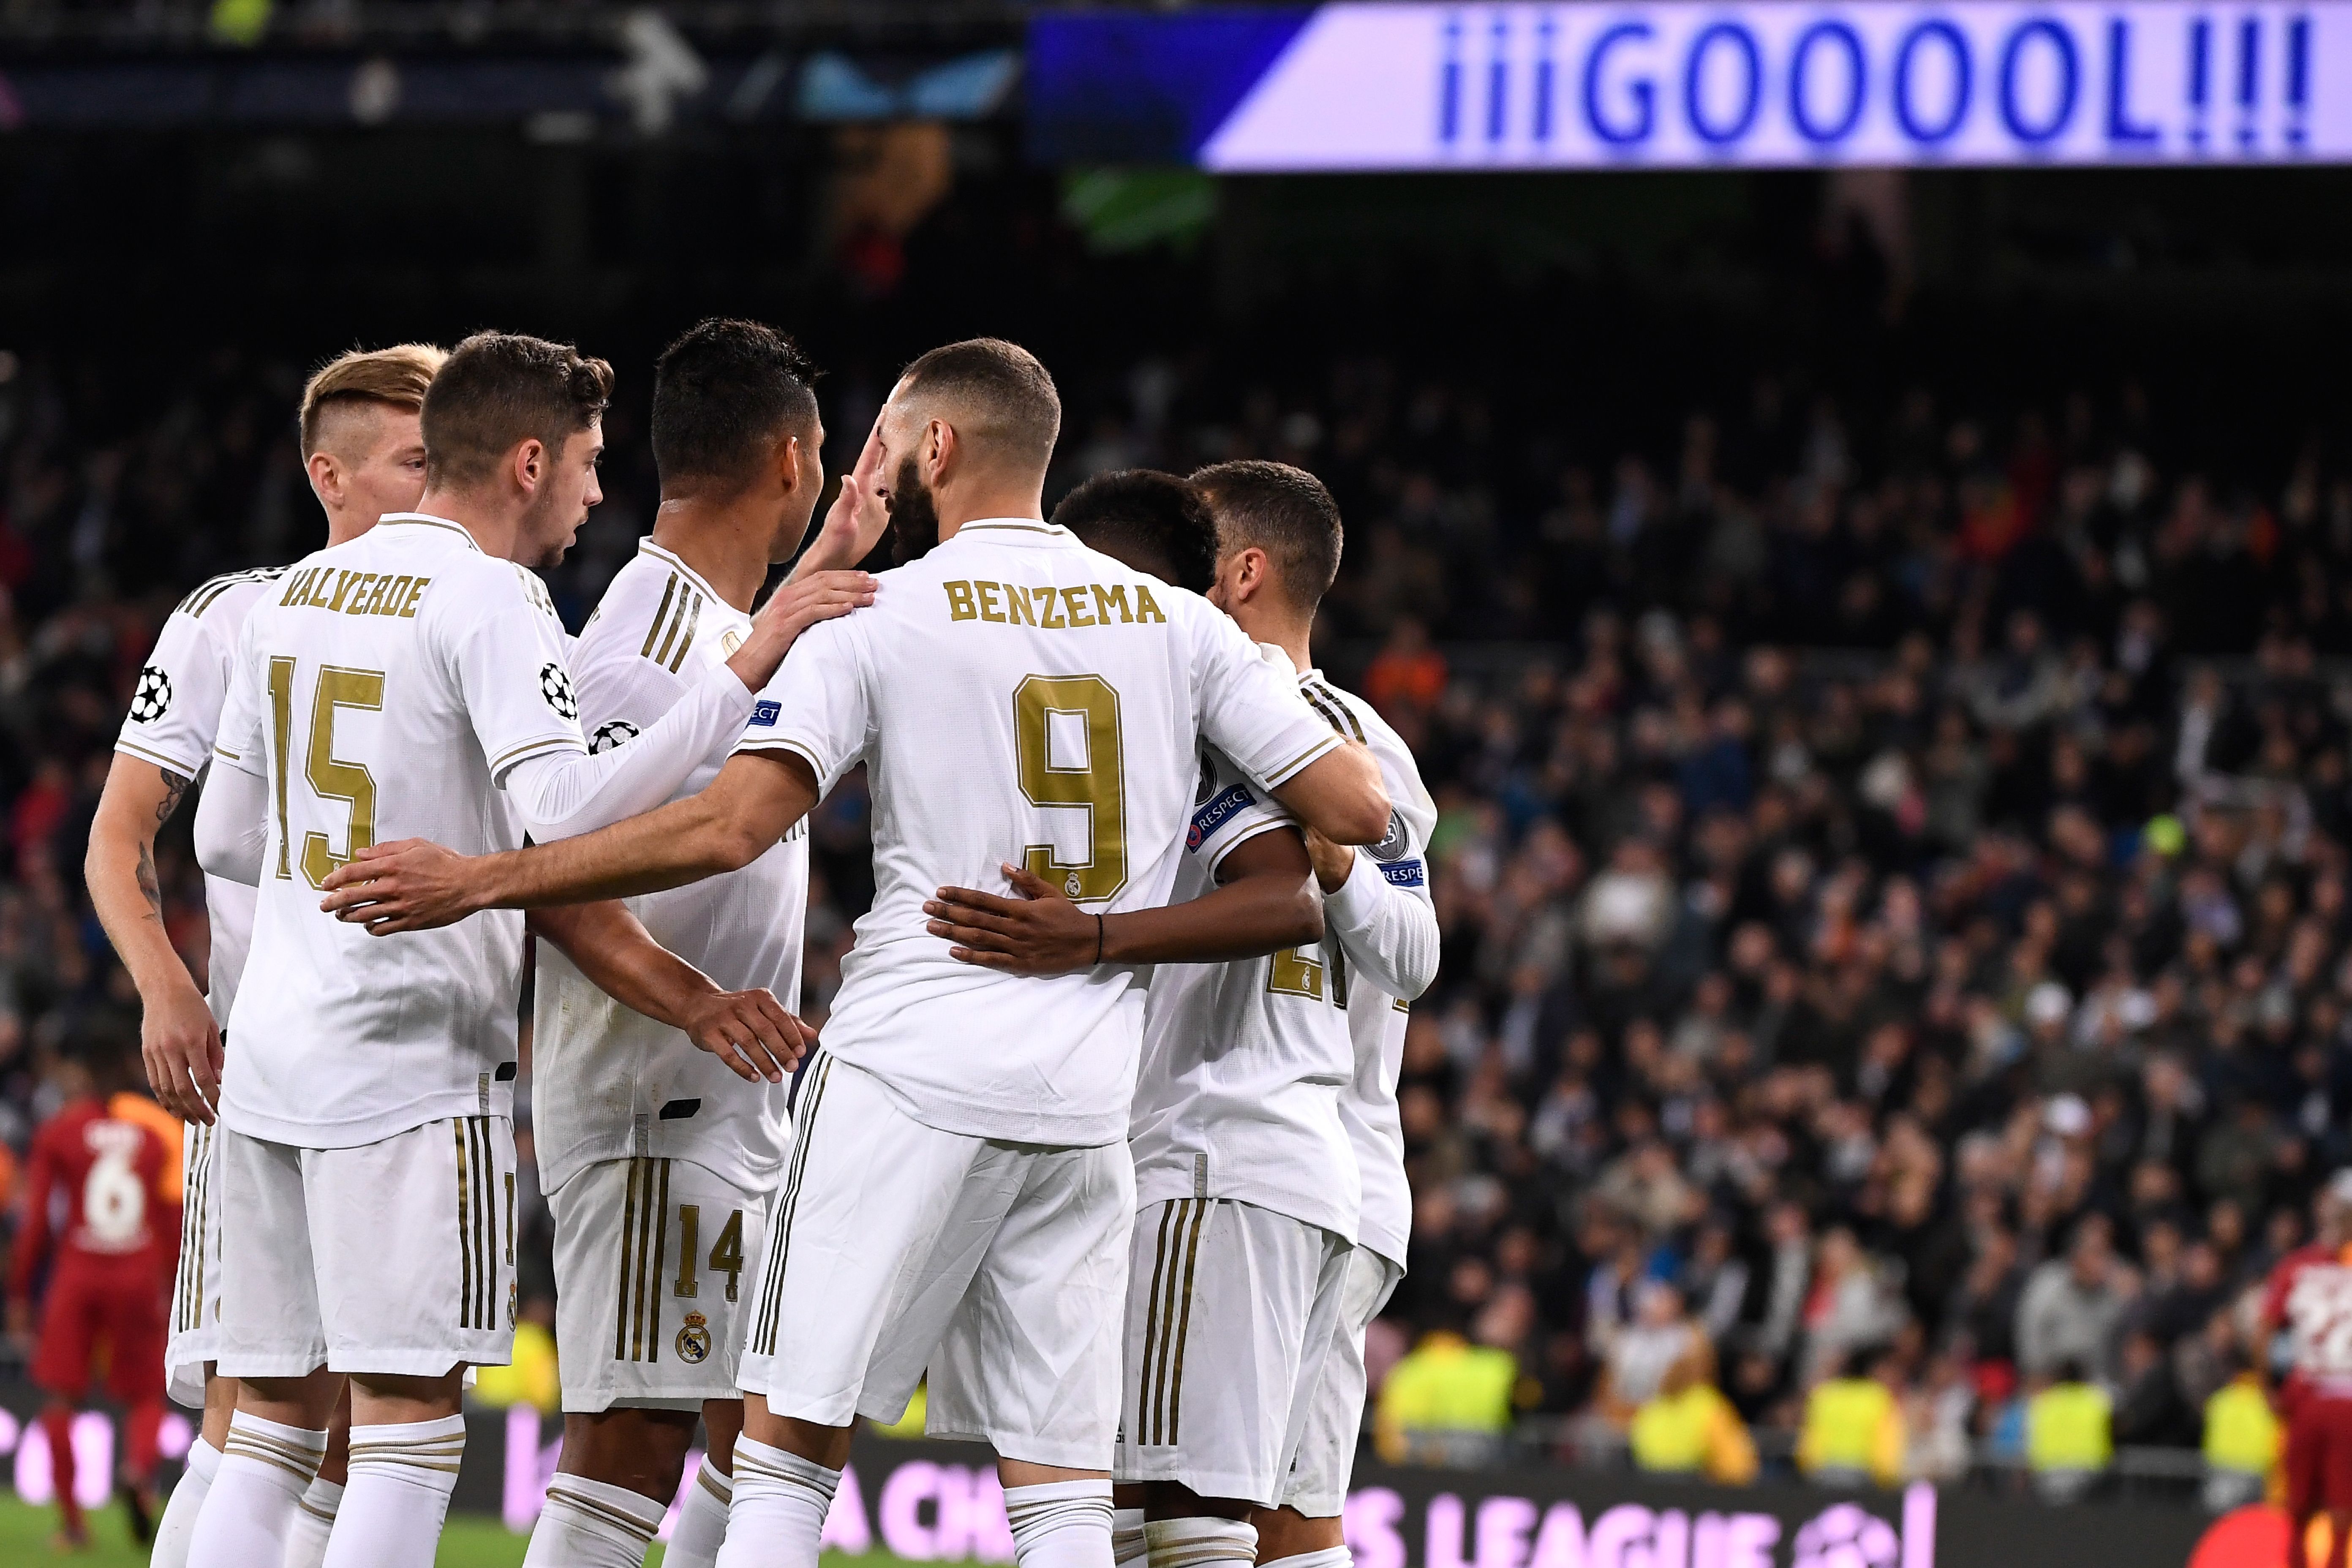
[{"x": 397, "y": 375}]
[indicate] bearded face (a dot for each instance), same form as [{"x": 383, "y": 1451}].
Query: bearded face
[{"x": 914, "y": 515}]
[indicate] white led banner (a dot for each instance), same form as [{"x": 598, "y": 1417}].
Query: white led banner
[{"x": 1687, "y": 83}]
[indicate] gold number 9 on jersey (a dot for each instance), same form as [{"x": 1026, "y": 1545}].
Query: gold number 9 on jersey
[
  {"x": 330, "y": 777},
  {"x": 1095, "y": 782}
]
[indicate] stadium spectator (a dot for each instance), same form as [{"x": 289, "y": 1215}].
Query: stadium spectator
[
  {"x": 2241, "y": 1442},
  {"x": 1445, "y": 1400},
  {"x": 1687, "y": 1428},
  {"x": 2069, "y": 1433},
  {"x": 1854, "y": 1430}
]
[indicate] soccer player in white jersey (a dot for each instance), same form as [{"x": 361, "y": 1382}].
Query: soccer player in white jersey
[
  {"x": 1244, "y": 1179},
  {"x": 658, "y": 1163},
  {"x": 364, "y": 451},
  {"x": 1279, "y": 537},
  {"x": 414, "y": 678},
  {"x": 958, "y": 1196}
]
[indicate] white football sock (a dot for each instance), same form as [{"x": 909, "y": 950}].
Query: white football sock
[
  {"x": 397, "y": 1496},
  {"x": 1126, "y": 1548},
  {"x": 1328, "y": 1557},
  {"x": 1198, "y": 1543},
  {"x": 314, "y": 1517},
  {"x": 178, "y": 1525},
  {"x": 701, "y": 1520},
  {"x": 777, "y": 1516},
  {"x": 263, "y": 1470},
  {"x": 592, "y": 1524},
  {"x": 1060, "y": 1524}
]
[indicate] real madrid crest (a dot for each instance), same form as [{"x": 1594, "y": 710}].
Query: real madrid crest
[{"x": 694, "y": 1340}]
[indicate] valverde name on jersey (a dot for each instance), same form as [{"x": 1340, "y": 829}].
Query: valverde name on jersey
[
  {"x": 1050, "y": 609},
  {"x": 354, "y": 593}
]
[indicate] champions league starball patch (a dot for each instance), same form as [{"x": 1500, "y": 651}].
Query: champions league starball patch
[
  {"x": 152, "y": 699},
  {"x": 555, "y": 685},
  {"x": 694, "y": 1340},
  {"x": 1393, "y": 843},
  {"x": 611, "y": 733}
]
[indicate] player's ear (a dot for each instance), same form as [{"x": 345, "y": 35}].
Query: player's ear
[
  {"x": 326, "y": 478},
  {"x": 527, "y": 464},
  {"x": 941, "y": 439}
]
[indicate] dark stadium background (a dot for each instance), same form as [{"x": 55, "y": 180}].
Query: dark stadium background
[{"x": 1878, "y": 641}]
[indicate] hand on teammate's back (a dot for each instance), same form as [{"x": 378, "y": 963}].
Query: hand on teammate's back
[
  {"x": 1040, "y": 933},
  {"x": 792, "y": 610},
  {"x": 409, "y": 884},
  {"x": 182, "y": 1046},
  {"x": 750, "y": 1031}
]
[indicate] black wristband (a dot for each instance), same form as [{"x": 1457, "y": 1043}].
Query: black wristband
[{"x": 1098, "y": 939}]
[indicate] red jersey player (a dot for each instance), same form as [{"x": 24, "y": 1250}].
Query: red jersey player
[
  {"x": 105, "y": 1175},
  {"x": 2310, "y": 1295}
]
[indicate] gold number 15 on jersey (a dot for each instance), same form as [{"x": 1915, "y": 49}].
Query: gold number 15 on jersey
[
  {"x": 1095, "y": 779},
  {"x": 329, "y": 776}
]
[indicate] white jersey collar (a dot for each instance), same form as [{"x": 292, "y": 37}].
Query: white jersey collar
[
  {"x": 676, "y": 563},
  {"x": 1017, "y": 530},
  {"x": 427, "y": 519}
]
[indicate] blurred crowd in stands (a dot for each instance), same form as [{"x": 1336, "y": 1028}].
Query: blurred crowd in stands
[{"x": 1892, "y": 863}]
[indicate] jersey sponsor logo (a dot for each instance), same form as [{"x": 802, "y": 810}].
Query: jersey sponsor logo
[
  {"x": 611, "y": 733},
  {"x": 1050, "y": 609},
  {"x": 765, "y": 713},
  {"x": 152, "y": 699},
  {"x": 1404, "y": 874},
  {"x": 694, "y": 1340},
  {"x": 1395, "y": 842},
  {"x": 555, "y": 685},
  {"x": 341, "y": 593},
  {"x": 1212, "y": 816}
]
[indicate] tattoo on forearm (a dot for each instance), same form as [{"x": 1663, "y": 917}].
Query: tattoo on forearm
[
  {"x": 149, "y": 883},
  {"x": 174, "y": 789}
]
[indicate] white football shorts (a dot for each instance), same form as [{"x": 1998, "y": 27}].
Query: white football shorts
[
  {"x": 195, "y": 1281},
  {"x": 1257, "y": 1294},
  {"x": 894, "y": 1247},
  {"x": 394, "y": 1257},
  {"x": 652, "y": 1267},
  {"x": 1334, "y": 1408}
]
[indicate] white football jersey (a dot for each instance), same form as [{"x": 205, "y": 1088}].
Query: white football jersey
[
  {"x": 1238, "y": 1095},
  {"x": 609, "y": 1083},
  {"x": 175, "y": 715},
  {"x": 383, "y": 692},
  {"x": 1020, "y": 698},
  {"x": 1368, "y": 1104}
]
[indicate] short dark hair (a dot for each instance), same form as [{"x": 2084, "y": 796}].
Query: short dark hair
[
  {"x": 1283, "y": 510},
  {"x": 1155, "y": 523},
  {"x": 1011, "y": 411},
  {"x": 497, "y": 390},
  {"x": 723, "y": 394}
]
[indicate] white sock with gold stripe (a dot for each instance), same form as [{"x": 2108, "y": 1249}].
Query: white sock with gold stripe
[
  {"x": 1328, "y": 1557},
  {"x": 1127, "y": 1549},
  {"x": 592, "y": 1524},
  {"x": 314, "y": 1518},
  {"x": 777, "y": 1517},
  {"x": 1060, "y": 1524},
  {"x": 398, "y": 1494},
  {"x": 1201, "y": 1543},
  {"x": 264, "y": 1467},
  {"x": 702, "y": 1521}
]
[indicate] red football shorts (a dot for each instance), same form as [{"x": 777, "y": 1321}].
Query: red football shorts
[
  {"x": 2318, "y": 1454},
  {"x": 116, "y": 1305}
]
